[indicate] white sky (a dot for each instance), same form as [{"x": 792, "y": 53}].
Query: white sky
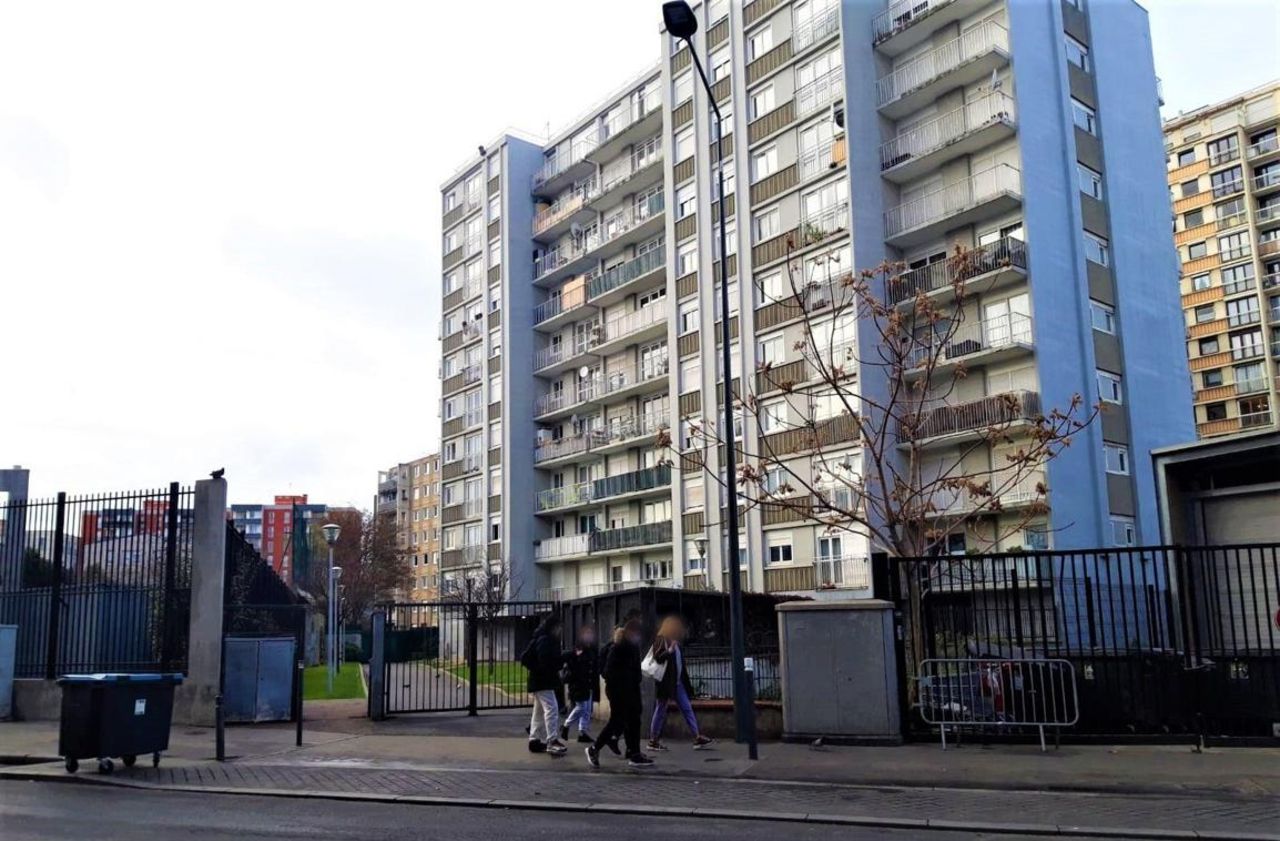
[{"x": 219, "y": 221}]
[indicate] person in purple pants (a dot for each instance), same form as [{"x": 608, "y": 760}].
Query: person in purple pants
[{"x": 674, "y": 685}]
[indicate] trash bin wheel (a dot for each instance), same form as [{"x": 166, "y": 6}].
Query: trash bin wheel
[
  {"x": 155, "y": 759},
  {"x": 106, "y": 766},
  {"x": 72, "y": 765},
  {"x": 129, "y": 759}
]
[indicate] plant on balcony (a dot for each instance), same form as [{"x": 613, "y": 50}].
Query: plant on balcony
[{"x": 856, "y": 448}]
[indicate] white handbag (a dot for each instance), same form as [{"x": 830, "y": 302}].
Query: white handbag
[{"x": 651, "y": 667}]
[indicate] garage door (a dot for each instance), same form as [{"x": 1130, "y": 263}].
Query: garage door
[{"x": 1247, "y": 518}]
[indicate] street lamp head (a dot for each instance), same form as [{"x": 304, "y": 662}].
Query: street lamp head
[
  {"x": 331, "y": 532},
  {"x": 679, "y": 19},
  {"x": 336, "y": 571},
  {"x": 701, "y": 545}
]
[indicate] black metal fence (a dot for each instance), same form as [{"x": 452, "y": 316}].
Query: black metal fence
[
  {"x": 1165, "y": 641},
  {"x": 441, "y": 656},
  {"x": 99, "y": 582}
]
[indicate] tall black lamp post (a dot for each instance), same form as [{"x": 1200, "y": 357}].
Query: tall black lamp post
[{"x": 682, "y": 23}]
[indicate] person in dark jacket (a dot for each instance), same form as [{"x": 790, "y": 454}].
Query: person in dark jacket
[
  {"x": 668, "y": 649},
  {"x": 582, "y": 680},
  {"x": 542, "y": 659},
  {"x": 622, "y": 688}
]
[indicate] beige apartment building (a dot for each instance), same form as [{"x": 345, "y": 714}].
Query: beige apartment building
[
  {"x": 409, "y": 494},
  {"x": 1224, "y": 174}
]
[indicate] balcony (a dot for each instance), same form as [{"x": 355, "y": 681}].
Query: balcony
[
  {"x": 1269, "y": 247},
  {"x": 612, "y": 285},
  {"x": 1228, "y": 188},
  {"x": 1271, "y": 280},
  {"x": 630, "y": 537},
  {"x": 630, "y": 381},
  {"x": 556, "y": 219},
  {"x": 1267, "y": 213},
  {"x": 568, "y": 496},
  {"x": 562, "y": 548},
  {"x": 1263, "y": 148},
  {"x": 1267, "y": 181},
  {"x": 1238, "y": 287},
  {"x": 821, "y": 92},
  {"x": 1253, "y": 386},
  {"x": 948, "y": 424},
  {"x": 558, "y": 262},
  {"x": 645, "y": 323},
  {"x": 1255, "y": 420},
  {"x": 817, "y": 29},
  {"x": 982, "y": 342},
  {"x": 897, "y": 29},
  {"x": 1233, "y": 221},
  {"x": 583, "y": 591},
  {"x": 559, "y": 170},
  {"x": 558, "y": 402},
  {"x": 1224, "y": 156},
  {"x": 1243, "y": 318},
  {"x": 561, "y": 307},
  {"x": 962, "y": 61},
  {"x": 1239, "y": 253},
  {"x": 991, "y": 192},
  {"x": 619, "y": 434},
  {"x": 952, "y": 135},
  {"x": 641, "y": 173},
  {"x": 985, "y": 268},
  {"x": 638, "y": 119},
  {"x": 1019, "y": 494},
  {"x": 823, "y": 158},
  {"x": 847, "y": 572},
  {"x": 635, "y": 483},
  {"x": 821, "y": 224},
  {"x": 635, "y": 223}
]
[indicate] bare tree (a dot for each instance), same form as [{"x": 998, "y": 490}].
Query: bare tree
[
  {"x": 374, "y": 566},
  {"x": 893, "y": 395}
]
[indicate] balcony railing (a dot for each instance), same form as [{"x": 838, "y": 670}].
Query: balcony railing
[
  {"x": 822, "y": 158},
  {"x": 1228, "y": 188},
  {"x": 633, "y": 426},
  {"x": 900, "y": 15},
  {"x": 578, "y": 494},
  {"x": 846, "y": 572},
  {"x": 1271, "y": 280},
  {"x": 647, "y": 534},
  {"x": 558, "y": 164},
  {"x": 624, "y": 273},
  {"x": 1237, "y": 253},
  {"x": 1023, "y": 491},
  {"x": 645, "y": 479},
  {"x": 821, "y": 224},
  {"x": 471, "y": 375},
  {"x": 997, "y": 573},
  {"x": 563, "y": 255},
  {"x": 472, "y": 462},
  {"x": 940, "y": 61},
  {"x": 1269, "y": 247},
  {"x": 821, "y": 92},
  {"x": 816, "y": 28},
  {"x": 629, "y": 116},
  {"x": 641, "y": 159},
  {"x": 624, "y": 378},
  {"x": 566, "y": 300},
  {"x": 1264, "y": 147},
  {"x": 998, "y": 410},
  {"x": 1232, "y": 221},
  {"x": 589, "y": 388},
  {"x": 1003, "y": 253},
  {"x": 1268, "y": 179},
  {"x": 1240, "y": 319},
  {"x": 625, "y": 325},
  {"x": 1253, "y": 420},
  {"x": 1253, "y": 350},
  {"x": 1267, "y": 213},
  {"x": 1251, "y": 386},
  {"x": 562, "y": 547},
  {"x": 1238, "y": 286},
  {"x": 633, "y": 216},
  {"x": 939, "y": 132},
  {"x": 968, "y": 339},
  {"x": 565, "y": 206},
  {"x": 954, "y": 198},
  {"x": 1226, "y": 156}
]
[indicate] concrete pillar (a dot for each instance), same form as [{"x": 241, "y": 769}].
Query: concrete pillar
[
  {"x": 377, "y": 667},
  {"x": 839, "y": 668},
  {"x": 195, "y": 701}
]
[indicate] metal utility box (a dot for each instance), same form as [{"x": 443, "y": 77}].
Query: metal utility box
[
  {"x": 106, "y": 715},
  {"x": 8, "y": 661},
  {"x": 260, "y": 675}
]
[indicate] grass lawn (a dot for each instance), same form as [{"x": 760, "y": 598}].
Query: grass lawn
[
  {"x": 346, "y": 683},
  {"x": 507, "y": 675}
]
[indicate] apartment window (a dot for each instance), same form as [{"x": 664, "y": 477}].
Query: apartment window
[
  {"x": 766, "y": 225},
  {"x": 733, "y": 300},
  {"x": 686, "y": 200},
  {"x": 1212, "y": 378},
  {"x": 693, "y": 562},
  {"x": 687, "y": 258},
  {"x": 1250, "y": 377},
  {"x": 779, "y": 547},
  {"x": 1223, "y": 149},
  {"x": 495, "y": 530},
  {"x": 495, "y": 166},
  {"x": 1194, "y": 219},
  {"x": 1227, "y": 182},
  {"x": 452, "y": 240},
  {"x": 1190, "y": 188},
  {"x": 1242, "y": 311},
  {"x": 1234, "y": 246},
  {"x": 825, "y": 404},
  {"x": 770, "y": 351},
  {"x": 495, "y": 481},
  {"x": 1109, "y": 387},
  {"x": 1123, "y": 530},
  {"x": 1204, "y": 313},
  {"x": 1097, "y": 249},
  {"x": 690, "y": 374},
  {"x": 760, "y": 103},
  {"x": 1196, "y": 250},
  {"x": 1201, "y": 281},
  {"x": 1116, "y": 457},
  {"x": 1215, "y": 412},
  {"x": 759, "y": 42},
  {"x": 495, "y": 388},
  {"x": 1077, "y": 53},
  {"x": 682, "y": 88},
  {"x": 1187, "y": 157},
  {"x": 1208, "y": 346},
  {"x": 495, "y": 208},
  {"x": 495, "y": 342},
  {"x": 1102, "y": 316},
  {"x": 1090, "y": 181},
  {"x": 773, "y": 415},
  {"x": 1238, "y": 278},
  {"x": 769, "y": 289},
  {"x": 764, "y": 163},
  {"x": 495, "y": 252},
  {"x": 689, "y": 318},
  {"x": 495, "y": 434},
  {"x": 719, "y": 64},
  {"x": 684, "y": 145},
  {"x": 1085, "y": 118}
]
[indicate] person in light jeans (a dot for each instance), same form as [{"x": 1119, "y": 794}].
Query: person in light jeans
[
  {"x": 542, "y": 660},
  {"x": 668, "y": 648},
  {"x": 582, "y": 679}
]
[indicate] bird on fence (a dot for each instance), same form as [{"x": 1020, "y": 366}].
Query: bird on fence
[{"x": 218, "y": 474}]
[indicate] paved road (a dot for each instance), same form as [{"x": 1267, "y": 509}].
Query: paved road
[{"x": 33, "y": 811}]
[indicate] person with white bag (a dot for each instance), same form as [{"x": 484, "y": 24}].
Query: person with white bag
[{"x": 665, "y": 664}]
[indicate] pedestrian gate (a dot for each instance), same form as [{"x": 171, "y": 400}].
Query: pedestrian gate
[{"x": 442, "y": 656}]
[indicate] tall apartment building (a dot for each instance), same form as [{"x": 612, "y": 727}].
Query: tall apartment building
[
  {"x": 580, "y": 297},
  {"x": 409, "y": 496},
  {"x": 1224, "y": 173},
  {"x": 269, "y": 528}
]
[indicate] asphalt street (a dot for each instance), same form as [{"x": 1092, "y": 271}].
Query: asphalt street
[{"x": 35, "y": 811}]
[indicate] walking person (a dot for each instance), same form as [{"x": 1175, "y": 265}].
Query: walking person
[
  {"x": 542, "y": 659},
  {"x": 582, "y": 680},
  {"x": 674, "y": 685},
  {"x": 622, "y": 687}
]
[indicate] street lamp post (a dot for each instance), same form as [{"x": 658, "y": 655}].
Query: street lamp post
[
  {"x": 331, "y": 532},
  {"x": 681, "y": 22}
]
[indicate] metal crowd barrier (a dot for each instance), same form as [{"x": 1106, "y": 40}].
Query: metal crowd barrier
[{"x": 997, "y": 694}]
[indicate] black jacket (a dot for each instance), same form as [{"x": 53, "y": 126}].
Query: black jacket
[
  {"x": 622, "y": 673},
  {"x": 544, "y": 671},
  {"x": 582, "y": 673},
  {"x": 665, "y": 689}
]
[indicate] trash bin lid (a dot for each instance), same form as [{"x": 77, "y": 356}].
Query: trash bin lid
[{"x": 122, "y": 677}]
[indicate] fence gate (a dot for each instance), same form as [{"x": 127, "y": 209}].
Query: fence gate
[{"x": 442, "y": 656}]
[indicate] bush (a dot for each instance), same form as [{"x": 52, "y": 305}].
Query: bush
[{"x": 353, "y": 653}]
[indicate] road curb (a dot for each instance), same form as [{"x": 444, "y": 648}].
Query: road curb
[{"x": 938, "y": 825}]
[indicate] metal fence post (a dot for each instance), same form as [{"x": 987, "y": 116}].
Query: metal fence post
[
  {"x": 170, "y": 574},
  {"x": 378, "y": 667},
  {"x": 55, "y": 587},
  {"x": 473, "y": 667}
]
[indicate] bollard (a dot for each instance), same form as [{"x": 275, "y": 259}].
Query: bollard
[
  {"x": 749, "y": 667},
  {"x": 220, "y": 736},
  {"x": 297, "y": 740}
]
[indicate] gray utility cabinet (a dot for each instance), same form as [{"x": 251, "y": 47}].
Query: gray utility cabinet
[
  {"x": 8, "y": 662},
  {"x": 260, "y": 672}
]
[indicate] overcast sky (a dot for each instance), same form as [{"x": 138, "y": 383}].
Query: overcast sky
[{"x": 219, "y": 221}]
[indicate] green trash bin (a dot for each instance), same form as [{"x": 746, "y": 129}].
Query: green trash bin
[{"x": 115, "y": 715}]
